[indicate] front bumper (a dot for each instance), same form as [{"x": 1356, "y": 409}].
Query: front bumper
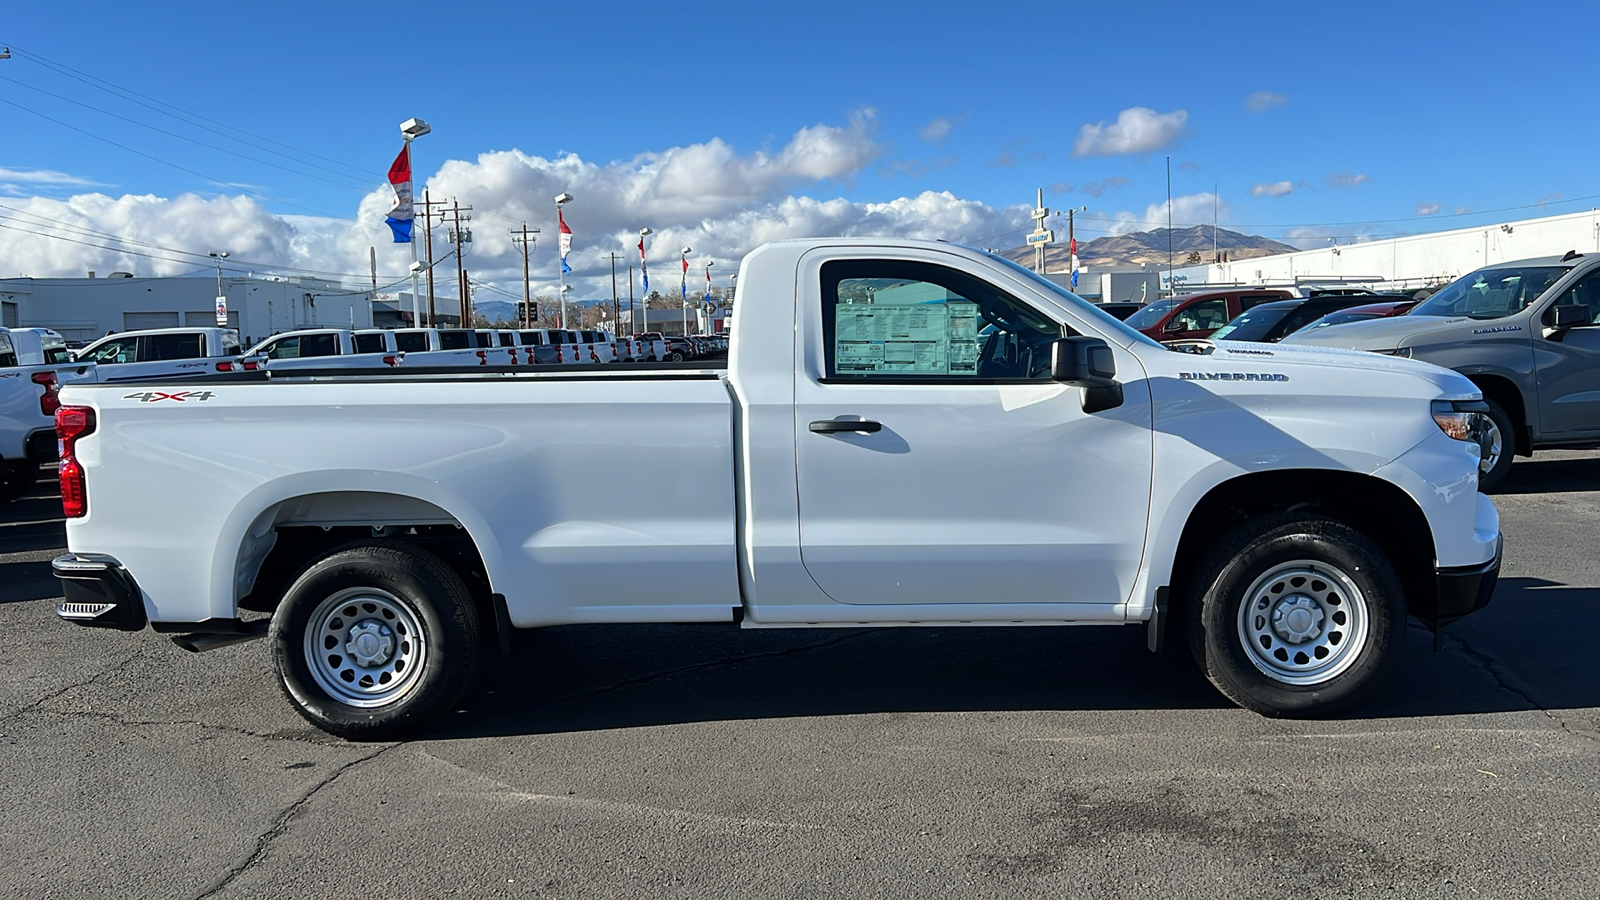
[
  {"x": 1463, "y": 590},
  {"x": 98, "y": 592}
]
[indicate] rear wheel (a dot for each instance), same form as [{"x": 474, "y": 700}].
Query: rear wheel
[
  {"x": 1498, "y": 444},
  {"x": 16, "y": 477},
  {"x": 674, "y": 356},
  {"x": 1296, "y": 615},
  {"x": 375, "y": 641}
]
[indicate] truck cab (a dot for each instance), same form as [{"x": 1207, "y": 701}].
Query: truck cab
[
  {"x": 1526, "y": 332},
  {"x": 161, "y": 352}
]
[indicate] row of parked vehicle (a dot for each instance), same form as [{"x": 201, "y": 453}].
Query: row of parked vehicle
[{"x": 1525, "y": 332}]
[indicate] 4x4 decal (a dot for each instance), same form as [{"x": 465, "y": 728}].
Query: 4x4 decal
[{"x": 158, "y": 396}]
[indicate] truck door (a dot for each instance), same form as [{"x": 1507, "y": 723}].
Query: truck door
[
  {"x": 936, "y": 460},
  {"x": 1568, "y": 364}
]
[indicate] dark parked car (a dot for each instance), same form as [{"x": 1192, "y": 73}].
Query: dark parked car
[
  {"x": 1121, "y": 310},
  {"x": 1272, "y": 322},
  {"x": 1396, "y": 307}
]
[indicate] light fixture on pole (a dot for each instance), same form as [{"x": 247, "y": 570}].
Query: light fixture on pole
[
  {"x": 411, "y": 129},
  {"x": 563, "y": 199},
  {"x": 683, "y": 290},
  {"x": 222, "y": 299},
  {"x": 645, "y": 272}
]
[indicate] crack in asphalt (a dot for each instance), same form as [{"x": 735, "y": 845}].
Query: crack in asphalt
[
  {"x": 1508, "y": 681},
  {"x": 307, "y": 738},
  {"x": 264, "y": 842},
  {"x": 113, "y": 667}
]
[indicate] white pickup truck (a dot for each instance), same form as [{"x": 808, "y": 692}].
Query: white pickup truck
[
  {"x": 864, "y": 460},
  {"x": 34, "y": 363},
  {"x": 159, "y": 352}
]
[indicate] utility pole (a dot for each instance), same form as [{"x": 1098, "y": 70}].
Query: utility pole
[
  {"x": 427, "y": 237},
  {"x": 461, "y": 237},
  {"x": 526, "y": 238},
  {"x": 466, "y": 300},
  {"x": 633, "y": 324},
  {"x": 616, "y": 312}
]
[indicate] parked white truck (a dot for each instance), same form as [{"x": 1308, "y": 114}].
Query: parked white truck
[
  {"x": 866, "y": 459},
  {"x": 34, "y": 363}
]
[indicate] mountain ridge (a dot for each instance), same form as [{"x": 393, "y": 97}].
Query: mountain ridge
[{"x": 1150, "y": 248}]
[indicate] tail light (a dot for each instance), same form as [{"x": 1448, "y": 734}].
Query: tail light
[
  {"x": 73, "y": 422},
  {"x": 50, "y": 400},
  {"x": 250, "y": 365},
  {"x": 224, "y": 366}
]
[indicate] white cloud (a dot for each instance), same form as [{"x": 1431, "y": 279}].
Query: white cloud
[
  {"x": 1345, "y": 179},
  {"x": 1187, "y": 211},
  {"x": 1275, "y": 189},
  {"x": 938, "y": 131},
  {"x": 44, "y": 177},
  {"x": 1261, "y": 101},
  {"x": 1427, "y": 209},
  {"x": 1097, "y": 188},
  {"x": 1137, "y": 130},
  {"x": 708, "y": 196}
]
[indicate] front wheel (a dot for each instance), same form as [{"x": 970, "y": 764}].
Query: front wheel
[
  {"x": 1296, "y": 615},
  {"x": 675, "y": 356},
  {"x": 1498, "y": 444},
  {"x": 375, "y": 641}
]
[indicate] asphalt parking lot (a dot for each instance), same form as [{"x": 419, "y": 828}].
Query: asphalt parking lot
[{"x": 700, "y": 761}]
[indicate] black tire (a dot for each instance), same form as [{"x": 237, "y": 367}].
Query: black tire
[
  {"x": 1336, "y": 594},
  {"x": 432, "y": 626},
  {"x": 1507, "y": 428},
  {"x": 16, "y": 477},
  {"x": 674, "y": 356}
]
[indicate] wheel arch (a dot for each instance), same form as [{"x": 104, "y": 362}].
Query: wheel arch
[
  {"x": 1379, "y": 509},
  {"x": 1505, "y": 392}
]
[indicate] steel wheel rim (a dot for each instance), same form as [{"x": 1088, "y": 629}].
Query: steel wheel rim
[
  {"x": 365, "y": 647},
  {"x": 1303, "y": 622},
  {"x": 1491, "y": 443}
]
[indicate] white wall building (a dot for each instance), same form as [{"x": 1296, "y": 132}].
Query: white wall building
[
  {"x": 86, "y": 308},
  {"x": 1405, "y": 263}
]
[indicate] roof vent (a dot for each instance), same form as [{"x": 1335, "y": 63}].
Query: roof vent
[{"x": 120, "y": 275}]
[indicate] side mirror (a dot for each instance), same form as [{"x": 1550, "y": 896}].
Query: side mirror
[
  {"x": 1570, "y": 315},
  {"x": 1173, "y": 326},
  {"x": 1082, "y": 362},
  {"x": 1087, "y": 362}
]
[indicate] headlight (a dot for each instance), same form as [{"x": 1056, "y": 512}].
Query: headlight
[
  {"x": 1402, "y": 352},
  {"x": 1460, "y": 419}
]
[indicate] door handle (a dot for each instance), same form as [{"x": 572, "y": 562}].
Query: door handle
[{"x": 831, "y": 426}]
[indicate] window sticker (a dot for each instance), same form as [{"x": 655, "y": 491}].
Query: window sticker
[{"x": 904, "y": 328}]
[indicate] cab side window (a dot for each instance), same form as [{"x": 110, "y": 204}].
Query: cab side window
[
  {"x": 284, "y": 348},
  {"x": 319, "y": 345},
  {"x": 172, "y": 346},
  {"x": 122, "y": 350},
  {"x": 8, "y": 354},
  {"x": 888, "y": 321},
  {"x": 1207, "y": 315},
  {"x": 369, "y": 343},
  {"x": 1585, "y": 293},
  {"x": 411, "y": 341}
]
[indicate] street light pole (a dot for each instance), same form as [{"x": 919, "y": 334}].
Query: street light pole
[
  {"x": 410, "y": 129},
  {"x": 222, "y": 299}
]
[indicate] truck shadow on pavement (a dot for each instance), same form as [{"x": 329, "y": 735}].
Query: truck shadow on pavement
[{"x": 583, "y": 678}]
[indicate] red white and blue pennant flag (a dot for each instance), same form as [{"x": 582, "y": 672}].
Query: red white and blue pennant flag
[
  {"x": 708, "y": 284},
  {"x": 683, "y": 282},
  {"x": 642, "y": 267},
  {"x": 1073, "y": 255},
  {"x": 566, "y": 242},
  {"x": 401, "y": 216}
]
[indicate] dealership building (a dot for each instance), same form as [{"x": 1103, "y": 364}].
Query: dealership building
[{"x": 83, "y": 309}]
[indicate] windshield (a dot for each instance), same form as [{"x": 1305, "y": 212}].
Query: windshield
[
  {"x": 1491, "y": 293},
  {"x": 1151, "y": 314},
  {"x": 1253, "y": 325},
  {"x": 1083, "y": 307},
  {"x": 1339, "y": 318}
]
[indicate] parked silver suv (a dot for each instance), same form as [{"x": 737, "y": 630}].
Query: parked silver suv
[{"x": 1525, "y": 332}]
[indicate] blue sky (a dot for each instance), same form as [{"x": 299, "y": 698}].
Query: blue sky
[{"x": 721, "y": 125}]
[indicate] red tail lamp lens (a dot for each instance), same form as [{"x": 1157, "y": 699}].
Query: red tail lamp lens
[{"x": 73, "y": 422}]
